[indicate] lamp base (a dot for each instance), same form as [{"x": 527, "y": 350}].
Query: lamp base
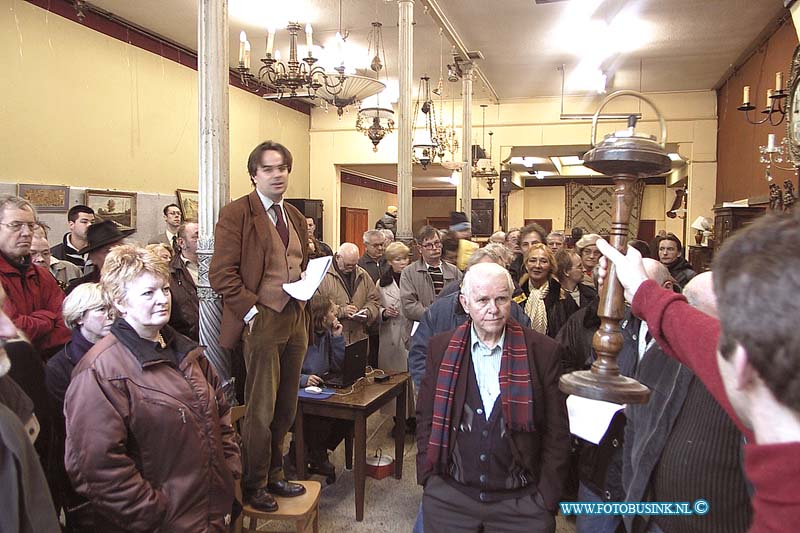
[{"x": 615, "y": 389}]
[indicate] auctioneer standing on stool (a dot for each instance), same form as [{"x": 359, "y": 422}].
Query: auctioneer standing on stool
[{"x": 260, "y": 243}]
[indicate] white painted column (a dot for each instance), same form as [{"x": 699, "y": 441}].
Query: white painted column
[
  {"x": 405, "y": 121},
  {"x": 466, "y": 141},
  {"x": 213, "y": 163}
]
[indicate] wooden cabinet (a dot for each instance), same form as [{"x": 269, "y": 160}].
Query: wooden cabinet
[
  {"x": 700, "y": 257},
  {"x": 729, "y": 219}
]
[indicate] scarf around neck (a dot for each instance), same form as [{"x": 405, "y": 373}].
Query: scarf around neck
[
  {"x": 535, "y": 307},
  {"x": 516, "y": 390}
]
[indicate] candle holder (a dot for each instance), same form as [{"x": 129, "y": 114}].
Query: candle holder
[{"x": 774, "y": 113}]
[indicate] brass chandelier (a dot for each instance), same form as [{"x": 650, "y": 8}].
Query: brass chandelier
[{"x": 376, "y": 121}]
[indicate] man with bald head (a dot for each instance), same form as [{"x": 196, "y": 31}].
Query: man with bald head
[
  {"x": 351, "y": 288},
  {"x": 492, "y": 435}
]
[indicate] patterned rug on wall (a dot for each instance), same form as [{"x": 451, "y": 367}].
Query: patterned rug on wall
[{"x": 589, "y": 207}]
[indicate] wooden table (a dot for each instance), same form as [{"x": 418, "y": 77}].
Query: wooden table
[{"x": 367, "y": 398}]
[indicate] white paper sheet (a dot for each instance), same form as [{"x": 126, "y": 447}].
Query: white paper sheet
[
  {"x": 589, "y": 419},
  {"x": 304, "y": 288}
]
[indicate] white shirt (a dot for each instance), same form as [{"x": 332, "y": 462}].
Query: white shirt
[
  {"x": 191, "y": 267},
  {"x": 642, "y": 340},
  {"x": 486, "y": 364},
  {"x": 268, "y": 207}
]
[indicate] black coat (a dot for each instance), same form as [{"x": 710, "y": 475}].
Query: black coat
[
  {"x": 558, "y": 309},
  {"x": 681, "y": 271}
]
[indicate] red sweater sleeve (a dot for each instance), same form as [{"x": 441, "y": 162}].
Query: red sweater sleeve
[
  {"x": 773, "y": 469},
  {"x": 688, "y": 335}
]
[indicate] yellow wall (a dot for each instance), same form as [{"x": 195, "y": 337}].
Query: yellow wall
[
  {"x": 691, "y": 122},
  {"x": 364, "y": 198},
  {"x": 82, "y": 109},
  {"x": 430, "y": 206}
]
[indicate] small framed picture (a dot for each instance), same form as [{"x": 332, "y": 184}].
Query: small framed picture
[
  {"x": 188, "y": 200},
  {"x": 117, "y": 206},
  {"x": 45, "y": 198}
]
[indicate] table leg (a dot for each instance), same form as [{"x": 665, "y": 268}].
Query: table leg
[
  {"x": 300, "y": 444},
  {"x": 348, "y": 449},
  {"x": 360, "y": 463},
  {"x": 400, "y": 434}
]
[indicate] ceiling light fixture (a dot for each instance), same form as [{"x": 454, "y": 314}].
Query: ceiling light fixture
[
  {"x": 376, "y": 121},
  {"x": 426, "y": 147},
  {"x": 482, "y": 166},
  {"x": 303, "y": 77}
]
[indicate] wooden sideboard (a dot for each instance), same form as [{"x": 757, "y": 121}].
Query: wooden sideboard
[
  {"x": 700, "y": 257},
  {"x": 729, "y": 219}
]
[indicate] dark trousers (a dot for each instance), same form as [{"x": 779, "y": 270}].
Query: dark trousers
[
  {"x": 374, "y": 346},
  {"x": 323, "y": 433},
  {"x": 274, "y": 349},
  {"x": 446, "y": 509}
]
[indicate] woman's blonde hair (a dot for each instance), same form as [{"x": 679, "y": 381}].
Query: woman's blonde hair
[
  {"x": 84, "y": 297},
  {"x": 396, "y": 250},
  {"x": 160, "y": 247},
  {"x": 550, "y": 257},
  {"x": 124, "y": 264}
]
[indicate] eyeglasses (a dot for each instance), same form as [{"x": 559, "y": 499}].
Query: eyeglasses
[
  {"x": 268, "y": 169},
  {"x": 15, "y": 227},
  {"x": 432, "y": 245}
]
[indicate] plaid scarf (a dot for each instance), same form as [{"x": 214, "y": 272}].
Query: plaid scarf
[{"x": 516, "y": 391}]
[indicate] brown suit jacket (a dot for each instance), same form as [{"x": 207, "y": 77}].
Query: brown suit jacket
[
  {"x": 545, "y": 451},
  {"x": 241, "y": 241}
]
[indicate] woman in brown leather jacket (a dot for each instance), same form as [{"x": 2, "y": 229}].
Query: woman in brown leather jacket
[{"x": 149, "y": 439}]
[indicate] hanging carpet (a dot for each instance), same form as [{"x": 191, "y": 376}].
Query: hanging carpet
[{"x": 589, "y": 207}]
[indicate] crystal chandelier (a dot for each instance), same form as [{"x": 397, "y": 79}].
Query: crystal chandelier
[
  {"x": 376, "y": 121},
  {"x": 446, "y": 135},
  {"x": 426, "y": 149},
  {"x": 303, "y": 77},
  {"x": 483, "y": 167}
]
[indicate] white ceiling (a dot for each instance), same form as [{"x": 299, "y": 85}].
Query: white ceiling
[{"x": 689, "y": 45}]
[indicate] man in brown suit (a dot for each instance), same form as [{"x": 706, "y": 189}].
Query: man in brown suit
[{"x": 261, "y": 242}]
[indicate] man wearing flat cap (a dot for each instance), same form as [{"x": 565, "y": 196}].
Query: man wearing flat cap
[{"x": 101, "y": 236}]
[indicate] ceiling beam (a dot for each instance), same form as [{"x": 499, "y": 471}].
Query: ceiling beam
[{"x": 435, "y": 12}]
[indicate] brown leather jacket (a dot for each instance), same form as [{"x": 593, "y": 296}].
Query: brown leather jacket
[
  {"x": 185, "y": 316},
  {"x": 149, "y": 441}
]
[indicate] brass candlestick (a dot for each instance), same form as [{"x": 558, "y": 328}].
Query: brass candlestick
[{"x": 626, "y": 156}]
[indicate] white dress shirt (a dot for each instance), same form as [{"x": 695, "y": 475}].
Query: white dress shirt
[{"x": 486, "y": 364}]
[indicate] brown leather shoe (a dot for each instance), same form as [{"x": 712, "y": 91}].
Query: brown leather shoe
[
  {"x": 287, "y": 489},
  {"x": 261, "y": 500}
]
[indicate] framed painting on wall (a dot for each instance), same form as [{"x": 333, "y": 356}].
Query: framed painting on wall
[
  {"x": 119, "y": 207},
  {"x": 45, "y": 198},
  {"x": 189, "y": 201}
]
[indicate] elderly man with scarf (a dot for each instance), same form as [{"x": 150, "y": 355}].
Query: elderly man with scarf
[{"x": 492, "y": 431}]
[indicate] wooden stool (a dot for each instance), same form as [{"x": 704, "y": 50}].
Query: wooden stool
[{"x": 302, "y": 510}]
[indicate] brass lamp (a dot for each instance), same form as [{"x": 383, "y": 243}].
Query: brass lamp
[{"x": 625, "y": 156}]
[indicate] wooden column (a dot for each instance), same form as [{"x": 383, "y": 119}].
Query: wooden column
[{"x": 214, "y": 163}]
